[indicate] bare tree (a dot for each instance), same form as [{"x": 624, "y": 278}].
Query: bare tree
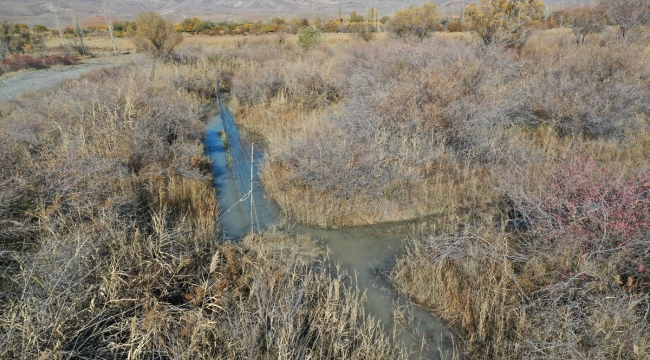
[
  {"x": 583, "y": 20},
  {"x": 109, "y": 24},
  {"x": 59, "y": 25},
  {"x": 77, "y": 28},
  {"x": 627, "y": 15}
]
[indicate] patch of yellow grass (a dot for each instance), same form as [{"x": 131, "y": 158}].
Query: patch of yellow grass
[
  {"x": 98, "y": 44},
  {"x": 212, "y": 43}
]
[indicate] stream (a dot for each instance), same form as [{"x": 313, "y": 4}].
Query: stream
[{"x": 364, "y": 252}]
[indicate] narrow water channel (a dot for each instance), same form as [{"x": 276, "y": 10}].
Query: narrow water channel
[{"x": 364, "y": 252}]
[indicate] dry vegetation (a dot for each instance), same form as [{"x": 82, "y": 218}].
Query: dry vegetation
[
  {"x": 96, "y": 43},
  {"x": 414, "y": 128},
  {"x": 108, "y": 245},
  {"x": 534, "y": 158}
]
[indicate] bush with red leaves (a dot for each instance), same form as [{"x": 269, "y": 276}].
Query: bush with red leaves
[
  {"x": 52, "y": 60},
  {"x": 22, "y": 61},
  {"x": 594, "y": 206},
  {"x": 594, "y": 211},
  {"x": 17, "y": 62}
]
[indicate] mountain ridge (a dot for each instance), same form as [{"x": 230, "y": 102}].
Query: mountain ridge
[{"x": 42, "y": 12}]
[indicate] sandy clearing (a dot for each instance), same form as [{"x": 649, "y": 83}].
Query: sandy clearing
[{"x": 13, "y": 85}]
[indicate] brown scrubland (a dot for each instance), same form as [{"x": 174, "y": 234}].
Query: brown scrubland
[
  {"x": 109, "y": 242},
  {"x": 532, "y": 161},
  {"x": 528, "y": 162}
]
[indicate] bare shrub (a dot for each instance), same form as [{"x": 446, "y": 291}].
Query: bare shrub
[
  {"x": 592, "y": 209},
  {"x": 583, "y": 21},
  {"x": 593, "y": 91},
  {"x": 628, "y": 15},
  {"x": 391, "y": 139},
  {"x": 460, "y": 106},
  {"x": 563, "y": 274}
]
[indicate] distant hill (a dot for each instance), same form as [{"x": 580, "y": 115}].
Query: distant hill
[
  {"x": 41, "y": 12},
  {"x": 96, "y": 21}
]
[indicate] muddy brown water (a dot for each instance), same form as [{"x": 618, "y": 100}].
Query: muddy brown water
[{"x": 365, "y": 253}]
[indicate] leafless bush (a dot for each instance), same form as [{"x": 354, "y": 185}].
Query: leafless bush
[
  {"x": 593, "y": 91},
  {"x": 628, "y": 15},
  {"x": 392, "y": 133},
  {"x": 306, "y": 84}
]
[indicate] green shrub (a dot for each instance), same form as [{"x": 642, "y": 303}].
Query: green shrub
[
  {"x": 39, "y": 28},
  {"x": 308, "y": 36}
]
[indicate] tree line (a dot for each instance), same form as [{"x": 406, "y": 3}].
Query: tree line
[{"x": 504, "y": 22}]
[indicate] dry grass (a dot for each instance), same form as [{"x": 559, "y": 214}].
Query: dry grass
[
  {"x": 97, "y": 44},
  {"x": 104, "y": 178},
  {"x": 498, "y": 292},
  {"x": 214, "y": 43},
  {"x": 357, "y": 133},
  {"x": 360, "y": 133},
  {"x": 108, "y": 240}
]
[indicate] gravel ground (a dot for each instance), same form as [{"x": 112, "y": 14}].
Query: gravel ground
[{"x": 12, "y": 85}]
